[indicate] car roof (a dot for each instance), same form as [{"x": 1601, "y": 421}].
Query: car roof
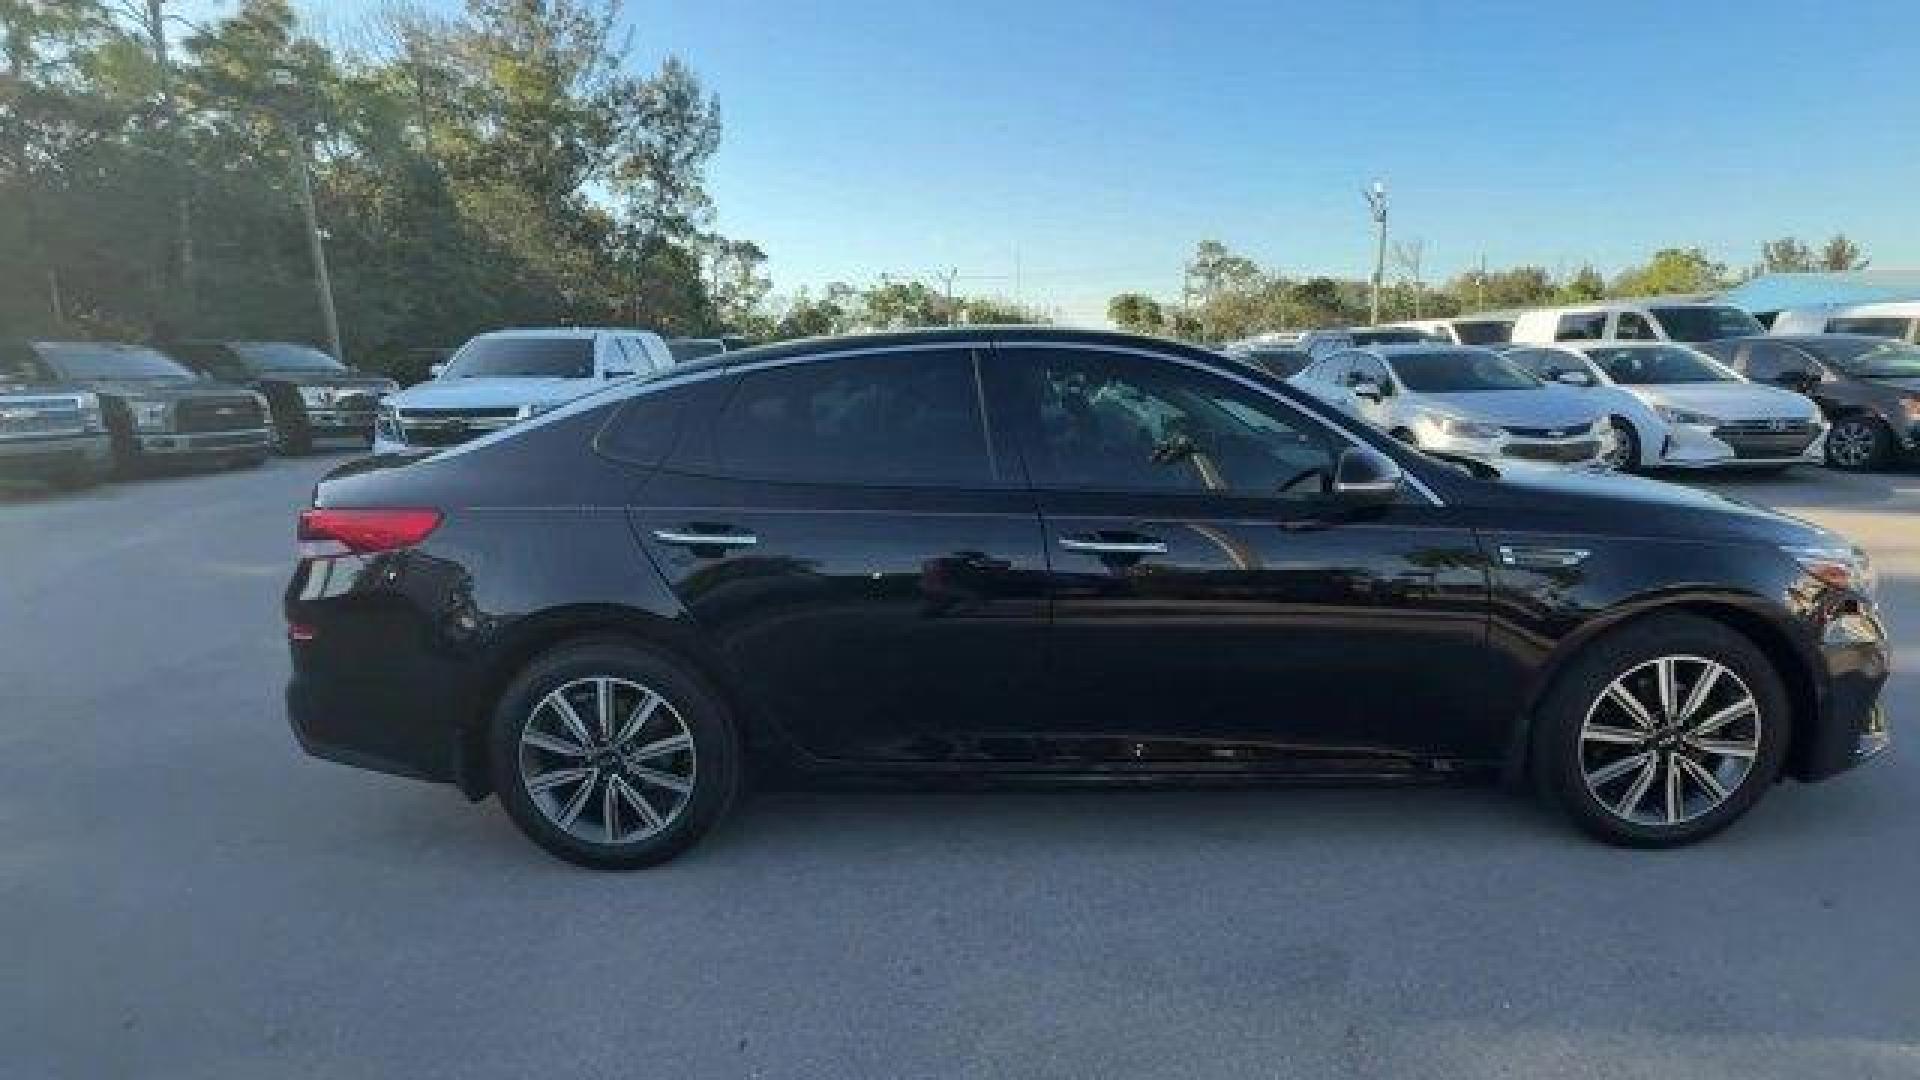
[
  {"x": 890, "y": 339},
  {"x": 562, "y": 331}
]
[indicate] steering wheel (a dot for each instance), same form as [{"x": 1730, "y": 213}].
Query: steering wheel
[{"x": 1304, "y": 474}]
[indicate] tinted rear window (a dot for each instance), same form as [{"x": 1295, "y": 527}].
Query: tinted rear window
[
  {"x": 1893, "y": 328},
  {"x": 1706, "y": 323},
  {"x": 898, "y": 418},
  {"x": 1487, "y": 332},
  {"x": 523, "y": 357}
]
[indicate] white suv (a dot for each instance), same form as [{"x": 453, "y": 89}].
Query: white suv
[
  {"x": 498, "y": 379},
  {"x": 1617, "y": 320}
]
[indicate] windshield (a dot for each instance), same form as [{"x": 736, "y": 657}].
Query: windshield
[
  {"x": 284, "y": 356},
  {"x": 1885, "y": 361},
  {"x": 101, "y": 360},
  {"x": 1463, "y": 372},
  {"x": 1659, "y": 365},
  {"x": 1706, "y": 323},
  {"x": 523, "y": 358}
]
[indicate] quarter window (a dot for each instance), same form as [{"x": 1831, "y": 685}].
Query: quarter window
[
  {"x": 1115, "y": 422},
  {"x": 906, "y": 418}
]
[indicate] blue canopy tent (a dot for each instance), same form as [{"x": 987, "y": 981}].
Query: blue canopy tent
[{"x": 1772, "y": 293}]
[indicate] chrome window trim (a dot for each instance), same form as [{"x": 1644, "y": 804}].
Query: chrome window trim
[{"x": 1306, "y": 406}]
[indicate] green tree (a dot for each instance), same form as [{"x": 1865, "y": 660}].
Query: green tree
[
  {"x": 1672, "y": 270},
  {"x": 1584, "y": 285},
  {"x": 1786, "y": 255},
  {"x": 1137, "y": 313},
  {"x": 1841, "y": 254}
]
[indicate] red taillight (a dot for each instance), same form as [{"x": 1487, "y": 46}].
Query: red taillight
[{"x": 359, "y": 532}]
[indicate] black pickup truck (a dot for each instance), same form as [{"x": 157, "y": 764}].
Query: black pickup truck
[
  {"x": 51, "y": 433},
  {"x": 153, "y": 408},
  {"x": 314, "y": 397}
]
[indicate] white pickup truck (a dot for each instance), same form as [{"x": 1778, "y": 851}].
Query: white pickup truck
[{"x": 500, "y": 378}]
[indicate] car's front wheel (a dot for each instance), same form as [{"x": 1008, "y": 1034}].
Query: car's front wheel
[
  {"x": 613, "y": 756},
  {"x": 1662, "y": 733},
  {"x": 1858, "y": 444},
  {"x": 1623, "y": 453}
]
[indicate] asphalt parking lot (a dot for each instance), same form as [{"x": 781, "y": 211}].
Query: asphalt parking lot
[{"x": 182, "y": 893}]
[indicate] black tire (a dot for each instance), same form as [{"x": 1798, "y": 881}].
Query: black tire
[
  {"x": 1628, "y": 441},
  {"x": 1561, "y": 759},
  {"x": 715, "y": 758},
  {"x": 250, "y": 461},
  {"x": 1858, "y": 444}
]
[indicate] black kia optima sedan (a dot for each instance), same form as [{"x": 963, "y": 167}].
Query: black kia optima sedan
[{"x": 1041, "y": 553}]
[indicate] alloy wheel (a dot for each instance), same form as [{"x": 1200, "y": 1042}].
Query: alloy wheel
[
  {"x": 607, "y": 761},
  {"x": 1621, "y": 453},
  {"x": 1670, "y": 740},
  {"x": 1851, "y": 444}
]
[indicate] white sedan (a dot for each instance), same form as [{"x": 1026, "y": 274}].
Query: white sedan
[{"x": 1674, "y": 407}]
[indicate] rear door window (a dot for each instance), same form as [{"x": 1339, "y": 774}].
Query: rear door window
[
  {"x": 907, "y": 418},
  {"x": 1581, "y": 326},
  {"x": 1633, "y": 326}
]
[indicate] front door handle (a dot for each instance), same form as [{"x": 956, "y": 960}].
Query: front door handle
[
  {"x": 1130, "y": 544},
  {"x": 722, "y": 537}
]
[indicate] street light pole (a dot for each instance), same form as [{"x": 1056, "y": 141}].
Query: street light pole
[
  {"x": 1377, "y": 203},
  {"x": 322, "y": 281}
]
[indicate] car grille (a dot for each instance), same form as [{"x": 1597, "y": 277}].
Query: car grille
[
  {"x": 450, "y": 427},
  {"x": 1567, "y": 451},
  {"x": 191, "y": 415},
  {"x": 1767, "y": 438},
  {"x": 37, "y": 417},
  {"x": 1564, "y": 432}
]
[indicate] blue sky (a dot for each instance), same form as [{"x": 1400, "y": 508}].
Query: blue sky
[{"x": 1089, "y": 144}]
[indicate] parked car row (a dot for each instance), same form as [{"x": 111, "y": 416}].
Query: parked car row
[
  {"x": 1628, "y": 405},
  {"x": 1035, "y": 552}
]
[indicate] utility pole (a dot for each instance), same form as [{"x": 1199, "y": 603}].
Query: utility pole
[
  {"x": 1480, "y": 285},
  {"x": 156, "y": 20},
  {"x": 315, "y": 243},
  {"x": 1376, "y": 196},
  {"x": 296, "y": 131},
  {"x": 952, "y": 273}
]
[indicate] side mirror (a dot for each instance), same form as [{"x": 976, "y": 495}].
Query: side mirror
[
  {"x": 1366, "y": 388},
  {"x": 434, "y": 370},
  {"x": 1366, "y": 477},
  {"x": 1573, "y": 378}
]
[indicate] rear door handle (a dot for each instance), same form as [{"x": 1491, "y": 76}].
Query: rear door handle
[
  {"x": 1131, "y": 544},
  {"x": 722, "y": 537}
]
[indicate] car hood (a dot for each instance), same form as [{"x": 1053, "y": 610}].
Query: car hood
[
  {"x": 341, "y": 380},
  {"x": 491, "y": 393},
  {"x": 1643, "y": 506},
  {"x": 1540, "y": 406},
  {"x": 1731, "y": 400}
]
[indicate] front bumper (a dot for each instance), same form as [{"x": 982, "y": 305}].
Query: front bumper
[
  {"x": 1693, "y": 446},
  {"x": 1855, "y": 662},
  {"x": 246, "y": 440},
  {"x": 1580, "y": 450},
  {"x": 37, "y": 457}
]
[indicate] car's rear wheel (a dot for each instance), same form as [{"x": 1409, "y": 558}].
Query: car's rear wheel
[
  {"x": 613, "y": 756},
  {"x": 1858, "y": 443},
  {"x": 1662, "y": 733}
]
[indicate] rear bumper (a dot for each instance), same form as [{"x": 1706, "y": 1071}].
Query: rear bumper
[
  {"x": 317, "y": 728},
  {"x": 206, "y": 442}
]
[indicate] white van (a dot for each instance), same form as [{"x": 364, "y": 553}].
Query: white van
[
  {"x": 1652, "y": 320},
  {"x": 1466, "y": 330},
  {"x": 1896, "y": 319}
]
